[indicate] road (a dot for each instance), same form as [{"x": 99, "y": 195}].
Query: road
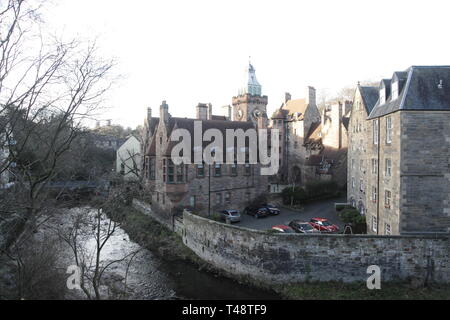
[{"x": 322, "y": 209}]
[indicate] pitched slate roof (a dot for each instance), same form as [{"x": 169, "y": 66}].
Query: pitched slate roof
[
  {"x": 370, "y": 97},
  {"x": 188, "y": 124},
  {"x": 426, "y": 88}
]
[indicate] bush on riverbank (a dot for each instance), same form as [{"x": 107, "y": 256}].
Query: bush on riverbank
[{"x": 152, "y": 235}]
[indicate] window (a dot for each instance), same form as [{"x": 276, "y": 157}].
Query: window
[
  {"x": 147, "y": 167},
  {"x": 217, "y": 169},
  {"x": 227, "y": 197},
  {"x": 218, "y": 198},
  {"x": 233, "y": 169},
  {"x": 200, "y": 170},
  {"x": 361, "y": 185},
  {"x": 374, "y": 224},
  {"x": 152, "y": 168},
  {"x": 387, "y": 199},
  {"x": 374, "y": 194},
  {"x": 157, "y": 197},
  {"x": 247, "y": 169},
  {"x": 353, "y": 183},
  {"x": 375, "y": 131},
  {"x": 122, "y": 168},
  {"x": 382, "y": 96},
  {"x": 170, "y": 172},
  {"x": 164, "y": 170},
  {"x": 388, "y": 129},
  {"x": 387, "y": 229},
  {"x": 394, "y": 94},
  {"x": 192, "y": 201},
  {"x": 164, "y": 198},
  {"x": 361, "y": 165},
  {"x": 388, "y": 167},
  {"x": 374, "y": 166},
  {"x": 353, "y": 163},
  {"x": 180, "y": 175}
]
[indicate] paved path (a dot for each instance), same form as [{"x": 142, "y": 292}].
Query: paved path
[{"x": 322, "y": 209}]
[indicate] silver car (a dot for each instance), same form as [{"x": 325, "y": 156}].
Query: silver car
[{"x": 232, "y": 215}]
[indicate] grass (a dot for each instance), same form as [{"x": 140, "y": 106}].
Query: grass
[
  {"x": 153, "y": 236},
  {"x": 359, "y": 291}
]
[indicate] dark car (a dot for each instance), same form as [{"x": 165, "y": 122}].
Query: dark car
[
  {"x": 232, "y": 215},
  {"x": 257, "y": 212},
  {"x": 302, "y": 227},
  {"x": 281, "y": 228},
  {"x": 323, "y": 225},
  {"x": 272, "y": 208}
]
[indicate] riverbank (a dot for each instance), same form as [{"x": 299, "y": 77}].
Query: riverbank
[
  {"x": 169, "y": 246},
  {"x": 359, "y": 291}
]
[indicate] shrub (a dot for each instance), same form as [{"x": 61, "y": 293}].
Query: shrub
[
  {"x": 352, "y": 216},
  {"x": 312, "y": 191}
]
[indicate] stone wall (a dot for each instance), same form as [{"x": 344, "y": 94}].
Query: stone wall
[
  {"x": 286, "y": 258},
  {"x": 425, "y": 171}
]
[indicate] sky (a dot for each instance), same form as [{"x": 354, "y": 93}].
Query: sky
[{"x": 186, "y": 52}]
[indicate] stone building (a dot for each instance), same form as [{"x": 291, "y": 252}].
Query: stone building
[
  {"x": 404, "y": 148},
  {"x": 202, "y": 187},
  {"x": 359, "y": 164},
  {"x": 313, "y": 144}
]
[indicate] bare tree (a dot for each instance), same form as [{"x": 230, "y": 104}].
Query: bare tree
[
  {"x": 48, "y": 88},
  {"x": 93, "y": 225}
]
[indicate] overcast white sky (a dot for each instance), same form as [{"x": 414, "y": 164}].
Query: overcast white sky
[{"x": 193, "y": 51}]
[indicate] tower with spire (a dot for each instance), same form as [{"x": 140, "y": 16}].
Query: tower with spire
[{"x": 250, "y": 104}]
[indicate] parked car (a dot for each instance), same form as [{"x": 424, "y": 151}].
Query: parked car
[
  {"x": 257, "y": 212},
  {"x": 323, "y": 225},
  {"x": 272, "y": 208},
  {"x": 283, "y": 229},
  {"x": 232, "y": 215},
  {"x": 302, "y": 227}
]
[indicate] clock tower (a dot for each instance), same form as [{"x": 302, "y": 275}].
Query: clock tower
[{"x": 249, "y": 104}]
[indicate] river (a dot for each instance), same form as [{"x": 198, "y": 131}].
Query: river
[{"x": 151, "y": 277}]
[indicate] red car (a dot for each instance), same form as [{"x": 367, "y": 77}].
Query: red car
[
  {"x": 323, "y": 225},
  {"x": 283, "y": 229}
]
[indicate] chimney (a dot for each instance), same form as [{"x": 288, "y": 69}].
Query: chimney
[
  {"x": 229, "y": 112},
  {"x": 262, "y": 122},
  {"x": 311, "y": 96},
  {"x": 202, "y": 111},
  {"x": 209, "y": 111},
  {"x": 108, "y": 123},
  {"x": 149, "y": 114},
  {"x": 164, "y": 112},
  {"x": 287, "y": 97}
]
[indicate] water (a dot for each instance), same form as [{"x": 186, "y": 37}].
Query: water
[{"x": 150, "y": 277}]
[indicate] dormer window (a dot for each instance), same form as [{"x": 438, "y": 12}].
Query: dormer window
[
  {"x": 395, "y": 90},
  {"x": 382, "y": 96}
]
